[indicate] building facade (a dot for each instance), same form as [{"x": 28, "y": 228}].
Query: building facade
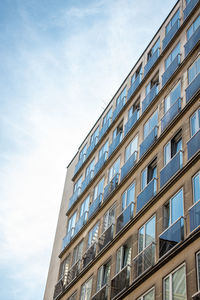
[{"x": 129, "y": 222}]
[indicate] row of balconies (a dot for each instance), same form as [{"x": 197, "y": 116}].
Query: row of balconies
[{"x": 151, "y": 62}]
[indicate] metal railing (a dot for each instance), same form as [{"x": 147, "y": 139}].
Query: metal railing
[
  {"x": 101, "y": 294},
  {"x": 89, "y": 255},
  {"x": 118, "y": 108},
  {"x": 148, "y": 141},
  {"x": 74, "y": 271},
  {"x": 115, "y": 143},
  {"x": 74, "y": 197},
  {"x": 172, "y": 112},
  {"x": 87, "y": 180},
  {"x": 193, "y": 145},
  {"x": 146, "y": 194},
  {"x": 171, "y": 69},
  {"x": 106, "y": 237},
  {"x": 91, "y": 146},
  {"x": 169, "y": 36},
  {"x": 100, "y": 163},
  {"x": 67, "y": 239},
  {"x": 95, "y": 205},
  {"x": 124, "y": 217},
  {"x": 81, "y": 222},
  {"x": 128, "y": 165},
  {"x": 79, "y": 164},
  {"x": 111, "y": 186},
  {"x": 120, "y": 281},
  {"x": 149, "y": 98},
  {"x": 105, "y": 128},
  {"x": 131, "y": 121},
  {"x": 151, "y": 62},
  {"x": 134, "y": 86}
]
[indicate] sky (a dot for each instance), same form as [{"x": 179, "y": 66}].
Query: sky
[{"x": 61, "y": 62}]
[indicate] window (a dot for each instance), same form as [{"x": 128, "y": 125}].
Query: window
[
  {"x": 131, "y": 148},
  {"x": 103, "y": 275},
  {"x": 86, "y": 290},
  {"x": 93, "y": 235},
  {"x": 150, "y": 295},
  {"x": 114, "y": 169},
  {"x": 194, "y": 70},
  {"x": 128, "y": 196},
  {"x": 94, "y": 136},
  {"x": 103, "y": 149},
  {"x": 147, "y": 234},
  {"x": 193, "y": 27},
  {"x": 172, "y": 147},
  {"x": 90, "y": 168},
  {"x": 198, "y": 269},
  {"x": 109, "y": 217},
  {"x": 77, "y": 184},
  {"x": 84, "y": 206},
  {"x": 98, "y": 188},
  {"x": 121, "y": 97},
  {"x": 83, "y": 152},
  {"x": 135, "y": 109},
  {"x": 173, "y": 20},
  {"x": 150, "y": 124},
  {"x": 107, "y": 117},
  {"x": 173, "y": 209},
  {"x": 118, "y": 130},
  {"x": 77, "y": 253},
  {"x": 172, "y": 56},
  {"x": 153, "y": 49},
  {"x": 64, "y": 268},
  {"x": 151, "y": 84},
  {"x": 123, "y": 257},
  {"x": 196, "y": 187},
  {"x": 73, "y": 297},
  {"x": 195, "y": 122},
  {"x": 71, "y": 223},
  {"x": 175, "y": 285},
  {"x": 172, "y": 97},
  {"x": 136, "y": 74},
  {"x": 148, "y": 174}
]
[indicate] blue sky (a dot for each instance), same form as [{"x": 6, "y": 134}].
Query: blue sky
[{"x": 61, "y": 63}]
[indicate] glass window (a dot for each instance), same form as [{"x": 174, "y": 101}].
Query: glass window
[
  {"x": 172, "y": 56},
  {"x": 193, "y": 27},
  {"x": 173, "y": 20},
  {"x": 148, "y": 174},
  {"x": 109, "y": 217},
  {"x": 77, "y": 184},
  {"x": 71, "y": 223},
  {"x": 123, "y": 257},
  {"x": 131, "y": 148},
  {"x": 90, "y": 168},
  {"x": 135, "y": 108},
  {"x": 175, "y": 285},
  {"x": 93, "y": 234},
  {"x": 94, "y": 136},
  {"x": 103, "y": 275},
  {"x": 103, "y": 149},
  {"x": 150, "y": 124},
  {"x": 173, "y": 210},
  {"x": 118, "y": 130},
  {"x": 136, "y": 74},
  {"x": 196, "y": 187},
  {"x": 98, "y": 188},
  {"x": 73, "y": 297},
  {"x": 198, "y": 270},
  {"x": 77, "y": 253},
  {"x": 172, "y": 148},
  {"x": 195, "y": 122},
  {"x": 153, "y": 49},
  {"x": 128, "y": 196},
  {"x": 172, "y": 97},
  {"x": 151, "y": 84},
  {"x": 150, "y": 295},
  {"x": 194, "y": 70},
  {"x": 83, "y": 152},
  {"x": 64, "y": 268},
  {"x": 146, "y": 234},
  {"x": 107, "y": 117},
  {"x": 121, "y": 96},
  {"x": 84, "y": 206},
  {"x": 86, "y": 290},
  {"x": 114, "y": 169}
]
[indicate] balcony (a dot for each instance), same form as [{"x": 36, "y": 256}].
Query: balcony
[
  {"x": 102, "y": 294},
  {"x": 74, "y": 271},
  {"x": 120, "y": 281},
  {"x": 173, "y": 235},
  {"x": 148, "y": 141},
  {"x": 87, "y": 180},
  {"x": 79, "y": 164},
  {"x": 144, "y": 261},
  {"x": 100, "y": 163},
  {"x": 74, "y": 197},
  {"x": 89, "y": 255},
  {"x": 189, "y": 8},
  {"x": 115, "y": 143},
  {"x": 147, "y": 194},
  {"x": 151, "y": 62},
  {"x": 59, "y": 288},
  {"x": 196, "y": 296},
  {"x": 118, "y": 108},
  {"x": 191, "y": 43},
  {"x": 193, "y": 88},
  {"x": 92, "y": 146},
  {"x": 124, "y": 217},
  {"x": 172, "y": 112},
  {"x": 105, "y": 128},
  {"x": 106, "y": 237},
  {"x": 134, "y": 86},
  {"x": 94, "y": 206},
  {"x": 128, "y": 165},
  {"x": 169, "y": 36},
  {"x": 194, "y": 213},
  {"x": 193, "y": 145},
  {"x": 111, "y": 186},
  {"x": 67, "y": 239},
  {"x": 131, "y": 122},
  {"x": 149, "y": 98},
  {"x": 171, "y": 69},
  {"x": 171, "y": 168},
  {"x": 81, "y": 222}
]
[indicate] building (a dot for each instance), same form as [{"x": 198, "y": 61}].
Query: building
[{"x": 129, "y": 223}]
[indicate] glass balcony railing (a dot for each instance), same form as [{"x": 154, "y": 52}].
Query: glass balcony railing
[
  {"x": 102, "y": 294},
  {"x": 128, "y": 165},
  {"x": 74, "y": 197},
  {"x": 59, "y": 288},
  {"x": 147, "y": 194},
  {"x": 144, "y": 260},
  {"x": 91, "y": 146},
  {"x": 87, "y": 180},
  {"x": 172, "y": 112},
  {"x": 194, "y": 213},
  {"x": 124, "y": 217},
  {"x": 173, "y": 235},
  {"x": 79, "y": 164},
  {"x": 118, "y": 108},
  {"x": 67, "y": 239},
  {"x": 134, "y": 86},
  {"x": 106, "y": 237},
  {"x": 169, "y": 36},
  {"x": 193, "y": 145},
  {"x": 100, "y": 163},
  {"x": 81, "y": 222},
  {"x": 74, "y": 271},
  {"x": 171, "y": 168},
  {"x": 105, "y": 128},
  {"x": 115, "y": 143},
  {"x": 132, "y": 120},
  {"x": 151, "y": 62},
  {"x": 193, "y": 88},
  {"x": 120, "y": 281},
  {"x": 194, "y": 39},
  {"x": 149, "y": 98},
  {"x": 189, "y": 8},
  {"x": 111, "y": 186},
  {"x": 89, "y": 255},
  {"x": 171, "y": 69},
  {"x": 148, "y": 141},
  {"x": 94, "y": 206}
]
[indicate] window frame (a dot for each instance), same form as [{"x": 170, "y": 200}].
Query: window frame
[
  {"x": 197, "y": 173},
  {"x": 146, "y": 293},
  {"x": 194, "y": 63},
  {"x": 198, "y": 273},
  {"x": 85, "y": 284},
  {"x": 126, "y": 193},
  {"x": 144, "y": 239},
  {"x": 196, "y": 112}
]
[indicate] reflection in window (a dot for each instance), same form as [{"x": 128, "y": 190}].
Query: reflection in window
[
  {"x": 86, "y": 290},
  {"x": 193, "y": 27},
  {"x": 150, "y": 124},
  {"x": 172, "y": 147},
  {"x": 172, "y": 56},
  {"x": 131, "y": 148},
  {"x": 103, "y": 275},
  {"x": 128, "y": 196},
  {"x": 123, "y": 257},
  {"x": 173, "y": 20},
  {"x": 114, "y": 169},
  {"x": 172, "y": 97},
  {"x": 194, "y": 70},
  {"x": 147, "y": 234},
  {"x": 175, "y": 285},
  {"x": 173, "y": 210},
  {"x": 195, "y": 122},
  {"x": 196, "y": 187},
  {"x": 150, "y": 295},
  {"x": 148, "y": 174}
]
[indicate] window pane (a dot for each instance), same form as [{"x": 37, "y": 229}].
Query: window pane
[
  {"x": 150, "y": 232},
  {"x": 149, "y": 296},
  {"x": 141, "y": 239},
  {"x": 144, "y": 179},
  {"x": 130, "y": 194},
  {"x": 118, "y": 259},
  {"x": 167, "y": 104},
  {"x": 179, "y": 284},
  {"x": 177, "y": 206},
  {"x": 196, "y": 187},
  {"x": 175, "y": 94},
  {"x": 167, "y": 153},
  {"x": 166, "y": 287}
]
